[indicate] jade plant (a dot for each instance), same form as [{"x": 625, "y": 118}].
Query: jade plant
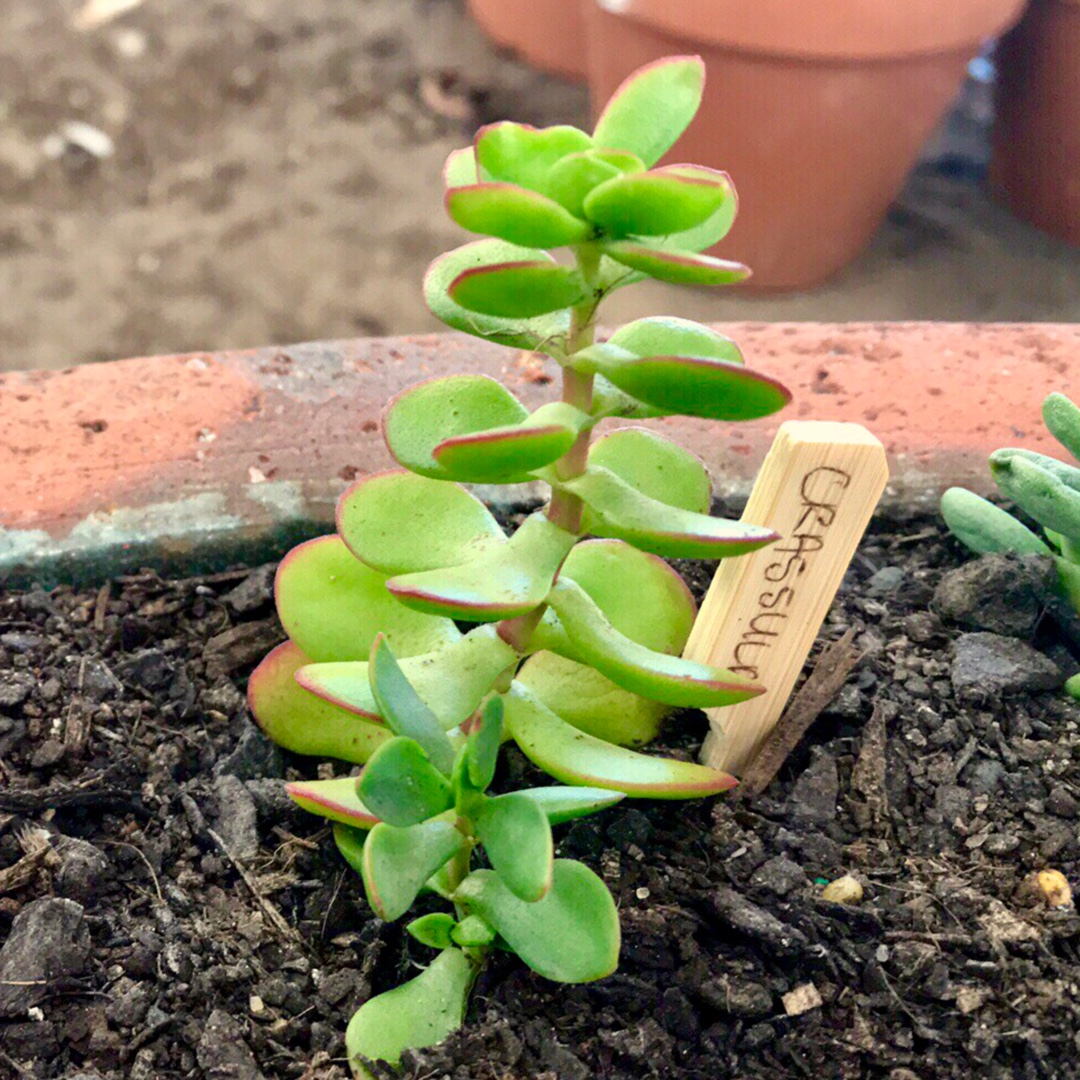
[
  {"x": 422, "y": 636},
  {"x": 1045, "y": 489}
]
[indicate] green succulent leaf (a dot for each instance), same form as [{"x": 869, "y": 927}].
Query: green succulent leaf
[
  {"x": 590, "y": 701},
  {"x": 473, "y": 933},
  {"x": 511, "y": 581},
  {"x": 522, "y": 154},
  {"x": 574, "y": 757},
  {"x": 297, "y": 720},
  {"x": 332, "y": 606},
  {"x": 983, "y": 527},
  {"x": 608, "y": 400},
  {"x": 509, "y": 454},
  {"x": 1038, "y": 492},
  {"x": 460, "y": 168},
  {"x": 570, "y": 936},
  {"x": 397, "y": 522},
  {"x": 618, "y": 510},
  {"x": 426, "y": 415},
  {"x": 1062, "y": 419},
  {"x": 419, "y": 1013},
  {"x": 350, "y": 843},
  {"x": 572, "y": 178},
  {"x": 635, "y": 667},
  {"x": 652, "y": 108},
  {"x": 562, "y": 804},
  {"x": 337, "y": 800},
  {"x": 1069, "y": 475},
  {"x": 482, "y": 749},
  {"x": 451, "y": 682},
  {"x": 515, "y": 214},
  {"x": 674, "y": 265},
  {"x": 398, "y": 862},
  {"x": 666, "y": 335},
  {"x": 655, "y": 466},
  {"x": 522, "y": 289},
  {"x": 709, "y": 232},
  {"x": 405, "y": 712},
  {"x": 545, "y": 333},
  {"x": 434, "y": 930},
  {"x": 1069, "y": 577},
  {"x": 517, "y": 838},
  {"x": 659, "y": 202},
  {"x": 402, "y": 787}
]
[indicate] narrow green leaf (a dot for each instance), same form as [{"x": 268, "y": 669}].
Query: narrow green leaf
[
  {"x": 337, "y": 800},
  {"x": 350, "y": 843},
  {"x": 675, "y": 266},
  {"x": 983, "y": 527},
  {"x": 332, "y": 606},
  {"x": 570, "y": 936},
  {"x": 517, "y": 838},
  {"x": 404, "y": 710},
  {"x": 419, "y": 1013},
  {"x": 634, "y": 667},
  {"x": 545, "y": 333},
  {"x": 1068, "y": 474},
  {"x": 562, "y": 804},
  {"x": 401, "y": 786},
  {"x": 451, "y": 682},
  {"x": 473, "y": 933},
  {"x": 657, "y": 202},
  {"x": 574, "y": 757},
  {"x": 482, "y": 748},
  {"x": 515, "y": 214},
  {"x": 397, "y": 522},
  {"x": 1038, "y": 493},
  {"x": 421, "y": 417},
  {"x": 620, "y": 511},
  {"x": 398, "y": 862},
  {"x": 525, "y": 155},
  {"x": 652, "y": 108},
  {"x": 434, "y": 930},
  {"x": 1062, "y": 419},
  {"x": 523, "y": 289},
  {"x": 298, "y": 720},
  {"x": 666, "y": 335},
  {"x": 510, "y": 581}
]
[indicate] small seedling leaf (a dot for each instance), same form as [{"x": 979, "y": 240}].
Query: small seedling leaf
[
  {"x": 573, "y": 757},
  {"x": 407, "y": 715},
  {"x": 522, "y": 289},
  {"x": 460, "y": 168},
  {"x": 402, "y": 787},
  {"x": 517, "y": 838},
  {"x": 658, "y": 202},
  {"x": 572, "y": 178},
  {"x": 563, "y": 804},
  {"x": 515, "y": 214},
  {"x": 1062, "y": 419},
  {"x": 983, "y": 527},
  {"x": 522, "y": 154},
  {"x": 419, "y": 1013},
  {"x": 337, "y": 800},
  {"x": 669, "y": 336},
  {"x": 652, "y": 108},
  {"x": 675, "y": 266},
  {"x": 434, "y": 930},
  {"x": 397, "y": 523},
  {"x": 1038, "y": 492},
  {"x": 473, "y": 933},
  {"x": 483, "y": 745},
  {"x": 570, "y": 936},
  {"x": 398, "y": 862}
]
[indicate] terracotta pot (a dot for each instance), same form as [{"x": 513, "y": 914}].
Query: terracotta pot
[
  {"x": 817, "y": 110},
  {"x": 549, "y": 34},
  {"x": 1035, "y": 167}
]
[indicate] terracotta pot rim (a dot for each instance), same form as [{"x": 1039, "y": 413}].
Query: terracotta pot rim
[{"x": 853, "y": 30}]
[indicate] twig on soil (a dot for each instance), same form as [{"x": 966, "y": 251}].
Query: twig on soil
[
  {"x": 22, "y": 1070},
  {"x": 34, "y": 802},
  {"x": 823, "y": 684},
  {"x": 871, "y": 808},
  {"x": 276, "y": 919}
]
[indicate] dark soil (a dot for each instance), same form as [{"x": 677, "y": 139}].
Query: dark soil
[{"x": 135, "y": 781}]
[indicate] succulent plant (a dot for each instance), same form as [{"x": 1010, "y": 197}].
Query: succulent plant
[
  {"x": 1045, "y": 489},
  {"x": 572, "y": 646}
]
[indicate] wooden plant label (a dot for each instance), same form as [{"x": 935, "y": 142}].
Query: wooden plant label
[{"x": 817, "y": 488}]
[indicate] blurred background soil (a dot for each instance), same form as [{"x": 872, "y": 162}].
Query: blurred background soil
[{"x": 209, "y": 174}]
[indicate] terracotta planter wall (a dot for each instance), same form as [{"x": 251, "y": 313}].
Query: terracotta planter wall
[
  {"x": 549, "y": 34},
  {"x": 1035, "y": 168},
  {"x": 817, "y": 111}
]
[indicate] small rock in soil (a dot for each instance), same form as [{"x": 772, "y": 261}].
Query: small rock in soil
[
  {"x": 999, "y": 593},
  {"x": 737, "y": 997},
  {"x": 254, "y": 591},
  {"x": 48, "y": 940},
  {"x": 780, "y": 876},
  {"x": 222, "y": 1053},
  {"x": 255, "y": 758},
  {"x": 814, "y": 797},
  {"x": 237, "y": 817},
  {"x": 1060, "y": 803},
  {"x": 887, "y": 580},
  {"x": 735, "y": 910},
  {"x": 82, "y": 869},
  {"x": 148, "y": 669},
  {"x": 15, "y": 687},
  {"x": 988, "y": 665}
]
